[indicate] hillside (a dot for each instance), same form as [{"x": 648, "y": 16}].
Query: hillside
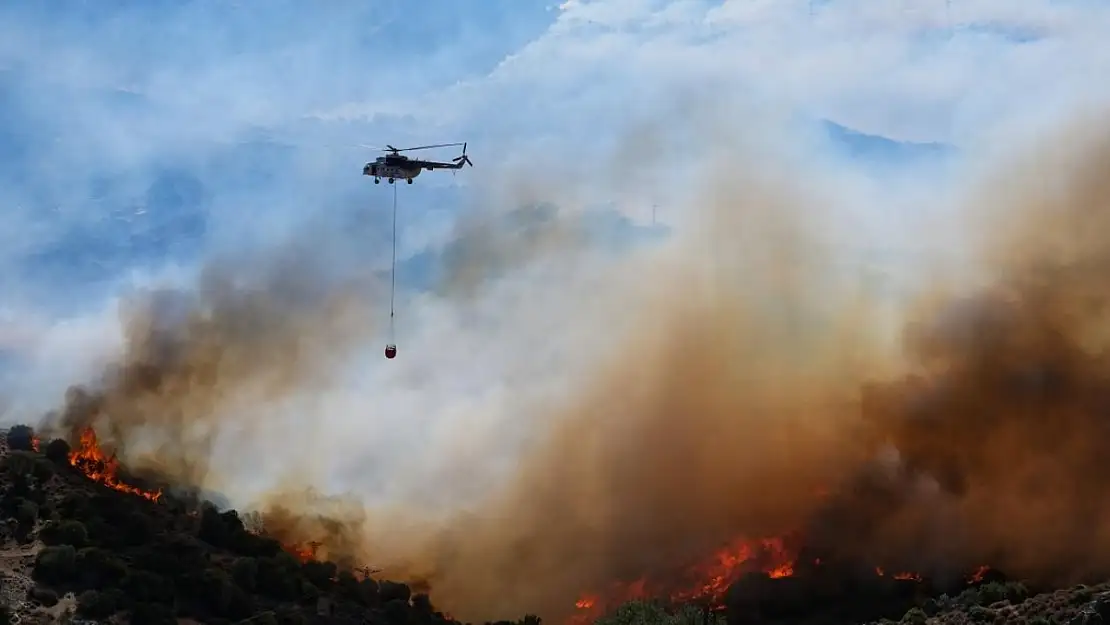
[
  {"x": 79, "y": 542},
  {"x": 81, "y": 545}
]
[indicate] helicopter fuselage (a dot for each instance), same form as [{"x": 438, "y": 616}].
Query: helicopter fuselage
[{"x": 391, "y": 171}]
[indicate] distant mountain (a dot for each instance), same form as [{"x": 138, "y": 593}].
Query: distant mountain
[{"x": 879, "y": 150}]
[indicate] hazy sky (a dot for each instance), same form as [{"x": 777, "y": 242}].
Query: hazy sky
[{"x": 139, "y": 138}]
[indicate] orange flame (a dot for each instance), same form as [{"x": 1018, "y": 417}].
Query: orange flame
[
  {"x": 90, "y": 460},
  {"x": 979, "y": 574},
  {"x": 714, "y": 576},
  {"x": 304, "y": 551}
]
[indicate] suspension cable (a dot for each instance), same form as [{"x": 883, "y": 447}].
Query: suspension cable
[{"x": 393, "y": 267}]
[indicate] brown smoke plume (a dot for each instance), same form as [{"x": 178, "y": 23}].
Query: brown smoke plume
[
  {"x": 248, "y": 335},
  {"x": 750, "y": 372}
]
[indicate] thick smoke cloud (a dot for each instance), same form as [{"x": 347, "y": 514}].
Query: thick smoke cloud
[{"x": 740, "y": 380}]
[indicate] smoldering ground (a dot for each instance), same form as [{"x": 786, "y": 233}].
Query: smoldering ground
[{"x": 718, "y": 384}]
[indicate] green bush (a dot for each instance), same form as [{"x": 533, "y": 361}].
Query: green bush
[
  {"x": 74, "y": 506},
  {"x": 651, "y": 613},
  {"x": 245, "y": 573},
  {"x": 264, "y": 618},
  {"x": 278, "y": 580},
  {"x": 20, "y": 463},
  {"x": 98, "y": 605},
  {"x": 21, "y": 438},
  {"x": 43, "y": 596},
  {"x": 287, "y": 615},
  {"x": 43, "y": 470},
  {"x": 916, "y": 616},
  {"x": 152, "y": 614},
  {"x": 146, "y": 587},
  {"x": 99, "y": 568},
  {"x": 64, "y": 533},
  {"x": 5, "y": 614},
  {"x": 993, "y": 592},
  {"x": 56, "y": 565},
  {"x": 57, "y": 451},
  {"x": 224, "y": 598},
  {"x": 394, "y": 591},
  {"x": 321, "y": 574},
  {"x": 26, "y": 513}
]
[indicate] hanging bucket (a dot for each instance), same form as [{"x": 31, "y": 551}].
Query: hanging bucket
[{"x": 391, "y": 351}]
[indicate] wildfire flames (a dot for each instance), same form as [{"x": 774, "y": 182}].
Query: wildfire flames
[
  {"x": 88, "y": 458},
  {"x": 712, "y": 578},
  {"x": 304, "y": 552},
  {"x": 707, "y": 581}
]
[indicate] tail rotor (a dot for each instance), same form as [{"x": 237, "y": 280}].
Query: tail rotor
[{"x": 463, "y": 158}]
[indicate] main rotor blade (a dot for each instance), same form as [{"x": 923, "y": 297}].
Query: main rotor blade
[{"x": 425, "y": 147}]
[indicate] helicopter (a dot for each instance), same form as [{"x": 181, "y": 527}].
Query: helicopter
[{"x": 394, "y": 165}]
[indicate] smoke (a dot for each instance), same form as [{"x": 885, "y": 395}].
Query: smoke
[
  {"x": 742, "y": 379},
  {"x": 204, "y": 369},
  {"x": 751, "y": 371}
]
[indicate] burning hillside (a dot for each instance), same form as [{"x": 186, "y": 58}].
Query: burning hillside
[
  {"x": 750, "y": 388},
  {"x": 90, "y": 459}
]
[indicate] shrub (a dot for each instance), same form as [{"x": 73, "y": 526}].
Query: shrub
[
  {"x": 980, "y": 614},
  {"x": 98, "y": 605},
  {"x": 74, "y": 505},
  {"x": 994, "y": 592},
  {"x": 99, "y": 568},
  {"x": 5, "y": 614},
  {"x": 138, "y": 528},
  {"x": 422, "y": 603},
  {"x": 57, "y": 451},
  {"x": 20, "y": 463},
  {"x": 43, "y": 470},
  {"x": 291, "y": 616},
  {"x": 277, "y": 580},
  {"x": 916, "y": 616},
  {"x": 21, "y": 438},
  {"x": 152, "y": 614},
  {"x": 224, "y": 597},
  {"x": 56, "y": 565},
  {"x": 27, "y": 512},
  {"x": 649, "y": 613},
  {"x": 64, "y": 533},
  {"x": 42, "y": 596},
  {"x": 369, "y": 592},
  {"x": 321, "y": 574},
  {"x": 394, "y": 591},
  {"x": 146, "y": 587},
  {"x": 245, "y": 573}
]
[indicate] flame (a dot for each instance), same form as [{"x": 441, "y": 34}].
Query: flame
[
  {"x": 710, "y": 578},
  {"x": 36, "y": 442},
  {"x": 906, "y": 575},
  {"x": 304, "y": 551},
  {"x": 714, "y": 575},
  {"x": 90, "y": 460},
  {"x": 979, "y": 574}
]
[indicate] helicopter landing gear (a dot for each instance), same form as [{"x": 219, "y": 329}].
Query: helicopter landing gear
[
  {"x": 391, "y": 180},
  {"x": 377, "y": 180},
  {"x": 410, "y": 180}
]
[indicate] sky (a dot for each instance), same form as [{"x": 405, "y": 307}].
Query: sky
[{"x": 141, "y": 140}]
